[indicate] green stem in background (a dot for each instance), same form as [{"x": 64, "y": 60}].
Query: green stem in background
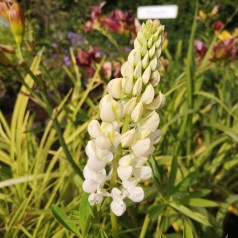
[
  {"x": 19, "y": 53},
  {"x": 145, "y": 226},
  {"x": 190, "y": 73},
  {"x": 55, "y": 121}
]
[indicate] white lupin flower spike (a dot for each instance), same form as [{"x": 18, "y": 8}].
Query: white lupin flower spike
[{"x": 125, "y": 139}]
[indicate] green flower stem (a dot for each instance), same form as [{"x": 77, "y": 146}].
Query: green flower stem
[
  {"x": 55, "y": 121},
  {"x": 115, "y": 233},
  {"x": 113, "y": 181},
  {"x": 145, "y": 226}
]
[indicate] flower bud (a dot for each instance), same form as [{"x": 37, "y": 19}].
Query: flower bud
[
  {"x": 150, "y": 42},
  {"x": 138, "y": 70},
  {"x": 128, "y": 138},
  {"x": 137, "y": 112},
  {"x": 137, "y": 87},
  {"x": 143, "y": 49},
  {"x": 150, "y": 123},
  {"x": 145, "y": 61},
  {"x": 114, "y": 88},
  {"x": 130, "y": 105},
  {"x": 152, "y": 51},
  {"x": 129, "y": 70},
  {"x": 4, "y": 10},
  {"x": 155, "y": 78},
  {"x": 141, "y": 37},
  {"x": 158, "y": 43},
  {"x": 146, "y": 75},
  {"x": 137, "y": 43},
  {"x": 148, "y": 95},
  {"x": 17, "y": 22},
  {"x": 134, "y": 57},
  {"x": 123, "y": 69},
  {"x": 157, "y": 103},
  {"x": 154, "y": 63},
  {"x": 128, "y": 85}
]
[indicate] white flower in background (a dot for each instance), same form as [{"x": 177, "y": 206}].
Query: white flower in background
[{"x": 126, "y": 138}]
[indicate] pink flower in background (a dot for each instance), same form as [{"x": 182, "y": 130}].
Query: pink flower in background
[{"x": 201, "y": 48}]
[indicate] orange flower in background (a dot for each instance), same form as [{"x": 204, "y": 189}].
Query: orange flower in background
[{"x": 12, "y": 12}]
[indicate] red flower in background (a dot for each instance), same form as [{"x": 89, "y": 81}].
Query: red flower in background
[
  {"x": 225, "y": 50},
  {"x": 217, "y": 26},
  {"x": 118, "y": 21},
  {"x": 87, "y": 58}
]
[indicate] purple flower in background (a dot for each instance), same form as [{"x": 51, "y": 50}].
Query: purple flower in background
[
  {"x": 67, "y": 60},
  {"x": 76, "y": 39}
]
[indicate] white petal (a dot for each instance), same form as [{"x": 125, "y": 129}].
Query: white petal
[
  {"x": 116, "y": 194},
  {"x": 150, "y": 123},
  {"x": 157, "y": 103},
  {"x": 137, "y": 112},
  {"x": 128, "y": 85},
  {"x": 114, "y": 88},
  {"x": 128, "y": 138},
  {"x": 96, "y": 165},
  {"x": 106, "y": 109},
  {"x": 103, "y": 142},
  {"x": 91, "y": 150},
  {"x": 95, "y": 198},
  {"x": 137, "y": 88},
  {"x": 105, "y": 155},
  {"x": 138, "y": 162},
  {"x": 132, "y": 182},
  {"x": 148, "y": 95},
  {"x": 89, "y": 186},
  {"x": 126, "y": 160},
  {"x": 155, "y": 136},
  {"x": 130, "y": 105},
  {"x": 94, "y": 129},
  {"x": 124, "y": 173},
  {"x": 136, "y": 194},
  {"x": 141, "y": 147},
  {"x": 118, "y": 207},
  {"x": 144, "y": 173}
]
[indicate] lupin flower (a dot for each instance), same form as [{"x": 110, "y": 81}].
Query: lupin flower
[{"x": 125, "y": 140}]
